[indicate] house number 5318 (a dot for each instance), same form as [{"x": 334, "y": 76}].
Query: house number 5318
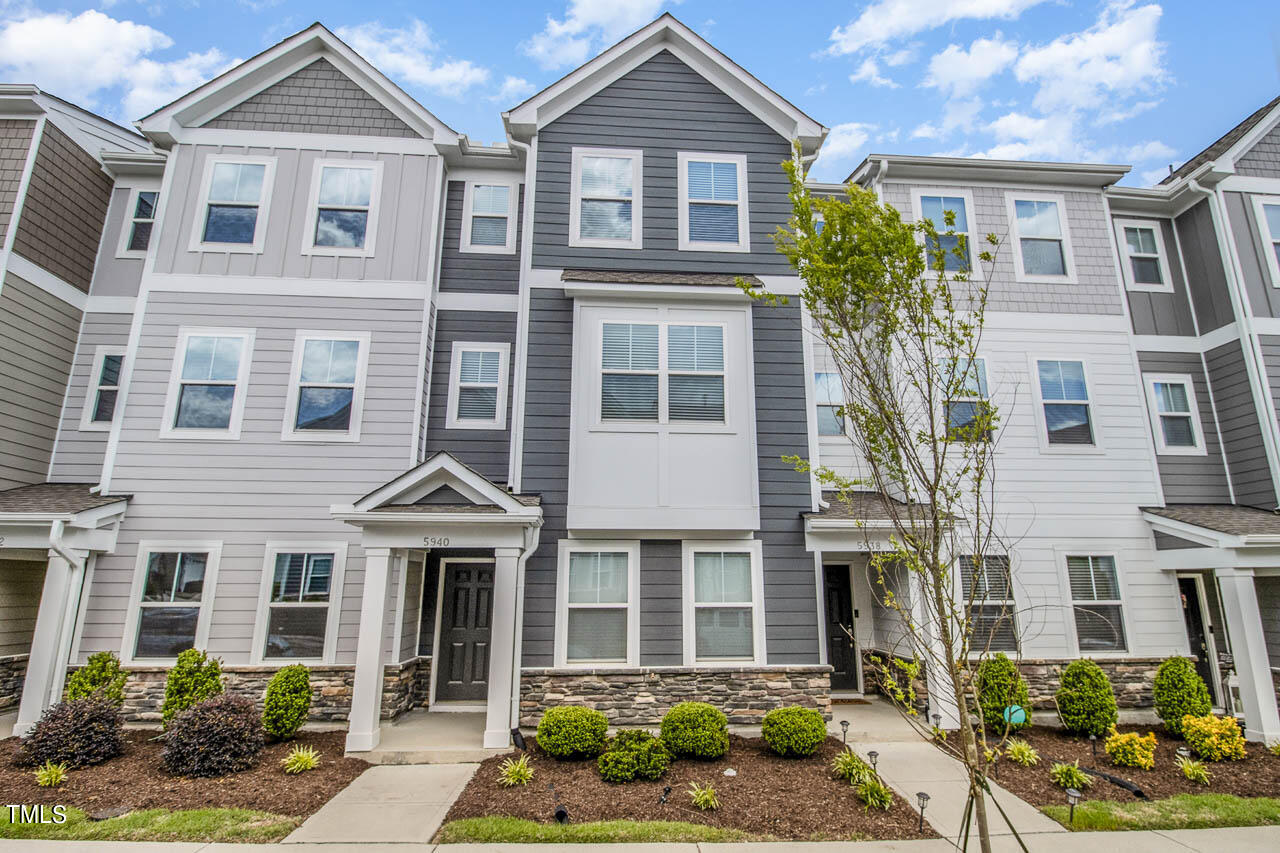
[{"x": 436, "y": 541}]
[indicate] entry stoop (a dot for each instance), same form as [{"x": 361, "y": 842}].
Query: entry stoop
[{"x": 431, "y": 737}]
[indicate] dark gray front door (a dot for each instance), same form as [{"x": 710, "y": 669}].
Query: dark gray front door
[
  {"x": 842, "y": 652},
  {"x": 464, "y": 631},
  {"x": 1197, "y": 633}
]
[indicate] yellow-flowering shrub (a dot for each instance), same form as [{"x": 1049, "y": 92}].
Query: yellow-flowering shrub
[
  {"x": 1132, "y": 749},
  {"x": 1214, "y": 738}
]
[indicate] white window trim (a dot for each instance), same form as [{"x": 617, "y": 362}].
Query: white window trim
[
  {"x": 996, "y": 428},
  {"x": 636, "y": 240},
  {"x": 464, "y": 236},
  {"x": 289, "y": 430},
  {"x": 1126, "y": 263},
  {"x": 1067, "y": 254},
  {"x": 1268, "y": 239},
  {"x": 917, "y": 211},
  {"x": 1149, "y": 381},
  {"x": 1043, "y": 424},
  {"x": 451, "y": 420},
  {"x": 663, "y": 373},
  {"x": 126, "y": 228},
  {"x": 197, "y": 243},
  {"x": 564, "y": 548},
  {"x": 749, "y": 546},
  {"x": 845, "y": 426},
  {"x": 1069, "y": 618},
  {"x": 313, "y": 211},
  {"x": 146, "y": 548},
  {"x": 339, "y": 550},
  {"x": 744, "y": 215},
  {"x": 232, "y": 432},
  {"x": 87, "y": 424}
]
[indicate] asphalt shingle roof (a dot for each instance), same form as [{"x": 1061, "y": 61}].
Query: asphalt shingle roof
[
  {"x": 1232, "y": 519},
  {"x": 47, "y": 498},
  {"x": 642, "y": 277},
  {"x": 1217, "y": 149}
]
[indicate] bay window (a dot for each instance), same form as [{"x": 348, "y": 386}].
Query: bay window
[{"x": 662, "y": 372}]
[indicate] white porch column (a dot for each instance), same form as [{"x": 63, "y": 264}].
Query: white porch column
[
  {"x": 1249, "y": 648},
  {"x": 366, "y": 693},
  {"x": 51, "y": 642},
  {"x": 502, "y": 638},
  {"x": 942, "y": 699}
]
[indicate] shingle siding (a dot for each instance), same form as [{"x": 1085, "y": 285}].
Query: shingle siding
[
  {"x": 15, "y": 141},
  {"x": 476, "y": 272},
  {"x": 1190, "y": 479},
  {"x": 317, "y": 99},
  {"x": 1263, "y": 159},
  {"x": 1241, "y": 432}
]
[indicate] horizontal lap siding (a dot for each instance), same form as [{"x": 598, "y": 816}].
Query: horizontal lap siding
[
  {"x": 1241, "y": 432},
  {"x": 476, "y": 272},
  {"x": 661, "y": 603},
  {"x": 258, "y": 489},
  {"x": 1191, "y": 479},
  {"x": 1206, "y": 278},
  {"x": 662, "y": 107},
  {"x": 1271, "y": 359},
  {"x": 37, "y": 345},
  {"x": 486, "y": 450},
  {"x": 21, "y": 582},
  {"x": 78, "y": 456}
]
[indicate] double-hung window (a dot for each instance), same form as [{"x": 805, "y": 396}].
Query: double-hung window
[
  {"x": 1266, "y": 210},
  {"x": 344, "y": 208},
  {"x": 599, "y": 608},
  {"x": 489, "y": 214},
  {"x": 206, "y": 388},
  {"x": 297, "y": 618},
  {"x": 1143, "y": 258},
  {"x": 236, "y": 197},
  {"x": 478, "y": 386},
  {"x": 1174, "y": 418},
  {"x": 968, "y": 412},
  {"x": 1042, "y": 251},
  {"x": 104, "y": 388},
  {"x": 934, "y": 208},
  {"x": 172, "y": 591},
  {"x": 662, "y": 372},
  {"x": 988, "y": 591},
  {"x": 140, "y": 220},
  {"x": 713, "y": 212},
  {"x": 828, "y": 394},
  {"x": 1096, "y": 604},
  {"x": 606, "y": 200},
  {"x": 695, "y": 373},
  {"x": 1064, "y": 397},
  {"x": 723, "y": 615},
  {"x": 326, "y": 394},
  {"x": 629, "y": 377}
]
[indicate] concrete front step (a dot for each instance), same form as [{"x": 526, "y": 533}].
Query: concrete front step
[{"x": 429, "y": 755}]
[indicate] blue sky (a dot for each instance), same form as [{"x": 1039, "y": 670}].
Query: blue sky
[{"x": 1144, "y": 83}]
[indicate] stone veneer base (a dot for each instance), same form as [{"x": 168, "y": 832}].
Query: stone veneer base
[
  {"x": 13, "y": 674},
  {"x": 639, "y": 696}
]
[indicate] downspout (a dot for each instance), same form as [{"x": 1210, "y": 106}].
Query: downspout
[
  {"x": 532, "y": 536},
  {"x": 515, "y": 464},
  {"x": 71, "y": 607}
]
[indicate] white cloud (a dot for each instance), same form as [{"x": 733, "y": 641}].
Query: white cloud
[
  {"x": 409, "y": 54},
  {"x": 885, "y": 20},
  {"x": 957, "y": 72},
  {"x": 83, "y": 57},
  {"x": 1119, "y": 114},
  {"x": 1023, "y": 137},
  {"x": 1144, "y": 151},
  {"x": 958, "y": 114},
  {"x": 843, "y": 144},
  {"x": 1118, "y": 57},
  {"x": 587, "y": 27},
  {"x": 902, "y": 57},
  {"x": 869, "y": 72},
  {"x": 1151, "y": 177},
  {"x": 514, "y": 90}
]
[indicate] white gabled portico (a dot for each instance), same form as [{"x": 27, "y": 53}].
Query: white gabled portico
[{"x": 441, "y": 504}]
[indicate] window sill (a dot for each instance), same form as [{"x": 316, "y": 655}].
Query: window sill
[
  {"x": 1046, "y": 279},
  {"x": 486, "y": 250},
  {"x": 320, "y": 437},
  {"x": 490, "y": 426},
  {"x": 200, "y": 434},
  {"x": 740, "y": 248},
  {"x": 337, "y": 252},
  {"x": 230, "y": 248},
  {"x": 1149, "y": 288},
  {"x": 592, "y": 243},
  {"x": 1182, "y": 451},
  {"x": 679, "y": 428},
  {"x": 95, "y": 426}
]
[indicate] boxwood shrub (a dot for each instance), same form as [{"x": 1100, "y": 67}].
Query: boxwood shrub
[
  {"x": 100, "y": 676},
  {"x": 1086, "y": 701},
  {"x": 194, "y": 678},
  {"x": 213, "y": 738},
  {"x": 1179, "y": 692},
  {"x": 999, "y": 686},
  {"x": 78, "y": 733},
  {"x": 794, "y": 732},
  {"x": 571, "y": 731},
  {"x": 287, "y": 702},
  {"x": 633, "y": 754},
  {"x": 696, "y": 730}
]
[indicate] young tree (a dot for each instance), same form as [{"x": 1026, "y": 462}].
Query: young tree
[{"x": 901, "y": 308}]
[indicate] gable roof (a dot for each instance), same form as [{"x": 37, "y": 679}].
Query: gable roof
[
  {"x": 277, "y": 63},
  {"x": 95, "y": 134},
  {"x": 1227, "y": 141},
  {"x": 406, "y": 492},
  {"x": 665, "y": 33}
]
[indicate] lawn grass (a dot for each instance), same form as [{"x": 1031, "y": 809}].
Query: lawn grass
[
  {"x": 511, "y": 830},
  {"x": 157, "y": 825},
  {"x": 1183, "y": 811}
]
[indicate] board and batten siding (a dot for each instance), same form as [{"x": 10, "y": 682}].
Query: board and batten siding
[
  {"x": 478, "y": 272},
  {"x": 258, "y": 489},
  {"x": 21, "y": 583},
  {"x": 77, "y": 458},
  {"x": 1159, "y": 313},
  {"x": 486, "y": 450},
  {"x": 1241, "y": 432},
  {"x": 401, "y": 247},
  {"x": 1095, "y": 290},
  {"x": 15, "y": 142},
  {"x": 1187, "y": 478},
  {"x": 37, "y": 346},
  {"x": 1263, "y": 159},
  {"x": 1264, "y": 295},
  {"x": 1206, "y": 278},
  {"x": 117, "y": 276},
  {"x": 663, "y": 107}
]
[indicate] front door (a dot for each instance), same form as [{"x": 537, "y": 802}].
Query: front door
[
  {"x": 463, "y": 653},
  {"x": 842, "y": 651},
  {"x": 1197, "y": 634}
]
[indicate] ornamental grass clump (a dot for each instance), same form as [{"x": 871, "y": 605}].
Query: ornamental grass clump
[
  {"x": 300, "y": 759},
  {"x": 1131, "y": 749},
  {"x": 1214, "y": 738},
  {"x": 793, "y": 732},
  {"x": 1070, "y": 776},
  {"x": 1194, "y": 771},
  {"x": 101, "y": 676},
  {"x": 194, "y": 678},
  {"x": 850, "y": 767},
  {"x": 79, "y": 733},
  {"x": 1020, "y": 752},
  {"x": 875, "y": 794},
  {"x": 1000, "y": 686},
  {"x": 703, "y": 797},
  {"x": 50, "y": 775},
  {"x": 515, "y": 771},
  {"x": 1179, "y": 692},
  {"x": 287, "y": 702},
  {"x": 696, "y": 730},
  {"x": 1086, "y": 701},
  {"x": 571, "y": 731},
  {"x": 218, "y": 736}
]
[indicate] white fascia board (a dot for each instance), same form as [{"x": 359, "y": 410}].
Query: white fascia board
[
  {"x": 925, "y": 168},
  {"x": 456, "y": 471},
  {"x": 1250, "y": 139}
]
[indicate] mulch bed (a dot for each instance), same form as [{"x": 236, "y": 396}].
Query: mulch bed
[
  {"x": 786, "y": 798},
  {"x": 1258, "y": 775},
  {"x": 137, "y": 779}
]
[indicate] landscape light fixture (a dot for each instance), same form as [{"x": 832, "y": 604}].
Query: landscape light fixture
[
  {"x": 844, "y": 729},
  {"x": 665, "y": 793},
  {"x": 873, "y": 757},
  {"x": 923, "y": 799},
  {"x": 1093, "y": 745},
  {"x": 1073, "y": 797},
  {"x": 937, "y": 721},
  {"x": 518, "y": 739},
  {"x": 1183, "y": 752}
]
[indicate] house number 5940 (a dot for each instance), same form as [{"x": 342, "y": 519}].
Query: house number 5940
[{"x": 436, "y": 541}]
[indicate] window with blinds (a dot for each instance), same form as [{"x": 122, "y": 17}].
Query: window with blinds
[
  {"x": 1096, "y": 603},
  {"x": 695, "y": 379},
  {"x": 298, "y": 609},
  {"x": 1064, "y": 393},
  {"x": 968, "y": 412},
  {"x": 633, "y": 369},
  {"x": 597, "y": 599},
  {"x": 1173, "y": 413},
  {"x": 988, "y": 590},
  {"x": 723, "y": 606},
  {"x": 828, "y": 393},
  {"x": 1041, "y": 240},
  {"x": 605, "y": 208},
  {"x": 478, "y": 386},
  {"x": 713, "y": 212},
  {"x": 488, "y": 214}
]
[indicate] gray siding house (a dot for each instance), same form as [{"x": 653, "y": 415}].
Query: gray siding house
[{"x": 490, "y": 428}]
